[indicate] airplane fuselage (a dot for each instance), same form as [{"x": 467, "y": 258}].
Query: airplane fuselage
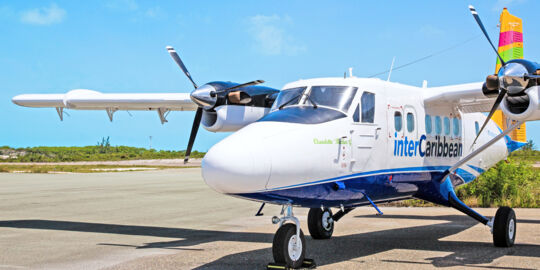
[{"x": 383, "y": 144}]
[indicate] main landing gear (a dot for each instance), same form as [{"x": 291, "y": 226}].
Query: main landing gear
[
  {"x": 320, "y": 223},
  {"x": 503, "y": 225}
]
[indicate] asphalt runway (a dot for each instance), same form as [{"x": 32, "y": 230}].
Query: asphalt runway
[{"x": 169, "y": 219}]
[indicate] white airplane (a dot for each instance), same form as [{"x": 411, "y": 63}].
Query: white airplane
[{"x": 342, "y": 142}]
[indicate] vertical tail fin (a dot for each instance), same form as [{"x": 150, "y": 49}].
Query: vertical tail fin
[{"x": 510, "y": 47}]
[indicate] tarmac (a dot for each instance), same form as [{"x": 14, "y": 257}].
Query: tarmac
[{"x": 169, "y": 219}]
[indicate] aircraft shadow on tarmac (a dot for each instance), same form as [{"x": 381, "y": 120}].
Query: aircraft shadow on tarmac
[{"x": 337, "y": 249}]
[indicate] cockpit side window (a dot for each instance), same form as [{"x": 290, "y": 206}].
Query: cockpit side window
[
  {"x": 368, "y": 107},
  {"x": 356, "y": 115}
]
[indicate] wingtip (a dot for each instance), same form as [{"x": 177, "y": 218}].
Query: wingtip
[
  {"x": 15, "y": 100},
  {"x": 169, "y": 48},
  {"x": 471, "y": 7}
]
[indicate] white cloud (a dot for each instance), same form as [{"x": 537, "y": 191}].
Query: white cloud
[
  {"x": 270, "y": 35},
  {"x": 43, "y": 16}
]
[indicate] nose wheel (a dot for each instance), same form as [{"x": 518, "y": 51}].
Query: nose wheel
[
  {"x": 287, "y": 247},
  {"x": 320, "y": 223}
]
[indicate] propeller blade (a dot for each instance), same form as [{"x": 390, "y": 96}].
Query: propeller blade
[
  {"x": 178, "y": 61},
  {"x": 194, "y": 129},
  {"x": 493, "y": 109},
  {"x": 531, "y": 76},
  {"x": 477, "y": 18},
  {"x": 243, "y": 85}
]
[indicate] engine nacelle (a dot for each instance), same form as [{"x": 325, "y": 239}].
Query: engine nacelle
[
  {"x": 228, "y": 118},
  {"x": 524, "y": 107}
]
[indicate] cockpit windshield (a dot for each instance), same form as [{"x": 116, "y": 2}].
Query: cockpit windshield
[
  {"x": 288, "y": 97},
  {"x": 335, "y": 97},
  {"x": 338, "y": 97}
]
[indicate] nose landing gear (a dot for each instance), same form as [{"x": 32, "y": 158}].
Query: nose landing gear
[{"x": 289, "y": 245}]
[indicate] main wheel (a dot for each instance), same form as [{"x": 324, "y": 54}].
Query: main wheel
[
  {"x": 285, "y": 248},
  {"x": 320, "y": 223},
  {"x": 504, "y": 227}
]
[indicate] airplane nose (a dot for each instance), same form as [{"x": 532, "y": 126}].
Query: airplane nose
[{"x": 238, "y": 164}]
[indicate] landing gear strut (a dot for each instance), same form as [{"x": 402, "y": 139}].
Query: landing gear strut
[{"x": 503, "y": 225}]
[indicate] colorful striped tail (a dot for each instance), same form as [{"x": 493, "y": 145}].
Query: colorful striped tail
[{"x": 510, "y": 47}]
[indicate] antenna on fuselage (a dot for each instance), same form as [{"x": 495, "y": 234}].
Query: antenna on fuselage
[
  {"x": 391, "y": 67},
  {"x": 350, "y": 72}
]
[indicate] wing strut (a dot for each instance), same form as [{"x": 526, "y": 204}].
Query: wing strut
[{"x": 480, "y": 149}]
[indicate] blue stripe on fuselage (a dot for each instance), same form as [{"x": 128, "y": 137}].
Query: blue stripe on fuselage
[{"x": 380, "y": 185}]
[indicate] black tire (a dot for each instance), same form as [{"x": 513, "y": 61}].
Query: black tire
[
  {"x": 504, "y": 227},
  {"x": 280, "y": 246},
  {"x": 320, "y": 224}
]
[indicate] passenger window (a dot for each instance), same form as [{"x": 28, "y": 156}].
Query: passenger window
[
  {"x": 410, "y": 122},
  {"x": 368, "y": 107},
  {"x": 446, "y": 126},
  {"x": 438, "y": 125},
  {"x": 455, "y": 128},
  {"x": 356, "y": 115},
  {"x": 397, "y": 121},
  {"x": 428, "y": 124},
  {"x": 476, "y": 127}
]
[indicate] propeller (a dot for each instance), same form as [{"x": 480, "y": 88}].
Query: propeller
[
  {"x": 198, "y": 113},
  {"x": 242, "y": 85},
  {"x": 178, "y": 61},
  {"x": 477, "y": 18},
  {"x": 194, "y": 129},
  {"x": 206, "y": 97},
  {"x": 503, "y": 91}
]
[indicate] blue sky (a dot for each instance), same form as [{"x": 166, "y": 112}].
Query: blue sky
[{"x": 119, "y": 46}]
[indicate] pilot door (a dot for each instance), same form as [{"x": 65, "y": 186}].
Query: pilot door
[{"x": 365, "y": 133}]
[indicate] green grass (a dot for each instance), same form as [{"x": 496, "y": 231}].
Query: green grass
[
  {"x": 513, "y": 183},
  {"x": 88, "y": 153}
]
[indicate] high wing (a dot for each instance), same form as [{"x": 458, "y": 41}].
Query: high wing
[
  {"x": 83, "y": 99},
  {"x": 467, "y": 97}
]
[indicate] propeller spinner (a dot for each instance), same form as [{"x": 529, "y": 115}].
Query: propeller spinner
[{"x": 206, "y": 97}]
